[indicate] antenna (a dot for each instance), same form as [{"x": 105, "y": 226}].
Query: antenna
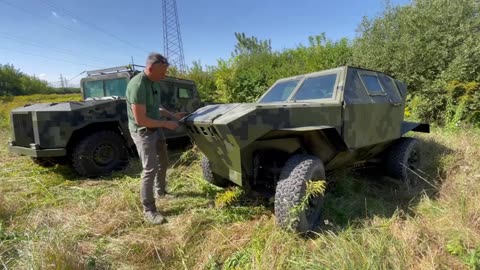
[{"x": 172, "y": 40}]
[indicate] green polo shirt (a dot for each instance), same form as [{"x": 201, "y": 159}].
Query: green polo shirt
[{"x": 141, "y": 90}]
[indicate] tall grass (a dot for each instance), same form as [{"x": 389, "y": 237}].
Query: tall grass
[{"x": 51, "y": 219}]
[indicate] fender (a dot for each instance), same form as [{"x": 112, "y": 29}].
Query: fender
[
  {"x": 330, "y": 132},
  {"x": 417, "y": 127}
]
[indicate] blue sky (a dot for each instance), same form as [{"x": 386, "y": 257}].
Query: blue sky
[{"x": 52, "y": 37}]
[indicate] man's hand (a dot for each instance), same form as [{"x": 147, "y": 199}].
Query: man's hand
[
  {"x": 180, "y": 115},
  {"x": 172, "y": 125}
]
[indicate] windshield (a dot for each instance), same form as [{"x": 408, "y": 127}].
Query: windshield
[
  {"x": 93, "y": 89},
  {"x": 280, "y": 92},
  {"x": 116, "y": 87},
  {"x": 104, "y": 88},
  {"x": 320, "y": 87}
]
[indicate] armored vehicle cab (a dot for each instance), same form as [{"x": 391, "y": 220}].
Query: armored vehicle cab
[
  {"x": 92, "y": 135},
  {"x": 302, "y": 127}
]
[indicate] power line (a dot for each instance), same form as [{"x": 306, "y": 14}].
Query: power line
[
  {"x": 76, "y": 76},
  {"x": 49, "y": 58},
  {"x": 38, "y": 45},
  {"x": 49, "y": 3},
  {"x": 49, "y": 21},
  {"x": 63, "y": 26},
  {"x": 33, "y": 14}
]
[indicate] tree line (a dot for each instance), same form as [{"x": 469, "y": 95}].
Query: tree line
[
  {"x": 13, "y": 82},
  {"x": 432, "y": 45}
]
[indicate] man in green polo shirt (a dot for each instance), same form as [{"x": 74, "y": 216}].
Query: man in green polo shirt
[{"x": 146, "y": 119}]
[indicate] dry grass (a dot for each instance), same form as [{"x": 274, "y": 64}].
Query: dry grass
[
  {"x": 4, "y": 207},
  {"x": 50, "y": 219}
]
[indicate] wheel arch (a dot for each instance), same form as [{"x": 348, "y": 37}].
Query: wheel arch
[
  {"x": 89, "y": 129},
  {"x": 272, "y": 151},
  {"x": 323, "y": 142}
]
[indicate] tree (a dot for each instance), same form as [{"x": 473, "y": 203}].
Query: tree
[
  {"x": 14, "y": 82},
  {"x": 205, "y": 81},
  {"x": 428, "y": 44}
]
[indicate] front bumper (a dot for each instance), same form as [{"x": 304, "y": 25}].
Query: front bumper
[{"x": 56, "y": 152}]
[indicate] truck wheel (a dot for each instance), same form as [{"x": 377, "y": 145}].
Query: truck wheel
[
  {"x": 211, "y": 177},
  {"x": 100, "y": 154},
  {"x": 291, "y": 190},
  {"x": 402, "y": 160}
]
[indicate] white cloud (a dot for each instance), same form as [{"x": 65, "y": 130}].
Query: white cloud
[
  {"x": 43, "y": 75},
  {"x": 54, "y": 14}
]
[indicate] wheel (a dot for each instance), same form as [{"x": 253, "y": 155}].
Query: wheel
[
  {"x": 291, "y": 190},
  {"x": 403, "y": 161},
  {"x": 99, "y": 154},
  {"x": 211, "y": 177}
]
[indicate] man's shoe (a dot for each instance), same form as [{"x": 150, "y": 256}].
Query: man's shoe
[
  {"x": 155, "y": 217},
  {"x": 164, "y": 195}
]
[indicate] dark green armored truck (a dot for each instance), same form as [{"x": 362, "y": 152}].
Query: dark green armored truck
[
  {"x": 92, "y": 135},
  {"x": 302, "y": 127}
]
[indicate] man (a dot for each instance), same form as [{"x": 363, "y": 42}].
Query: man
[{"x": 145, "y": 122}]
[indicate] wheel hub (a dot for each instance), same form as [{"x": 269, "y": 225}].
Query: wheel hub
[
  {"x": 103, "y": 154},
  {"x": 413, "y": 160}
]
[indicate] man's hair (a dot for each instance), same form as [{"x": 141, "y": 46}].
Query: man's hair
[{"x": 156, "y": 58}]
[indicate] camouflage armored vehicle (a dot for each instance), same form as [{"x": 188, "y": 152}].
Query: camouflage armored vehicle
[
  {"x": 302, "y": 127},
  {"x": 92, "y": 135}
]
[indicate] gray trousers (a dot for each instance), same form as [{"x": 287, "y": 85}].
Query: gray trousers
[{"x": 152, "y": 150}]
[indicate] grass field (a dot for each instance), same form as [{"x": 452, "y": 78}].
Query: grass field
[{"x": 52, "y": 219}]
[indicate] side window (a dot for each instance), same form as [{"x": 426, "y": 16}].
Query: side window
[
  {"x": 402, "y": 88},
  {"x": 116, "y": 87},
  {"x": 167, "y": 95},
  {"x": 391, "y": 88},
  {"x": 186, "y": 93},
  {"x": 320, "y": 87},
  {"x": 372, "y": 84},
  {"x": 93, "y": 89}
]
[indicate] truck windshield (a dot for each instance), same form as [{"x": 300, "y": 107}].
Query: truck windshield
[
  {"x": 320, "y": 87},
  {"x": 280, "y": 92},
  {"x": 93, "y": 89},
  {"x": 104, "y": 88}
]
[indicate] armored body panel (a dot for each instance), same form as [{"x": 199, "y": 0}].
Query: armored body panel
[
  {"x": 50, "y": 131},
  {"x": 342, "y": 115}
]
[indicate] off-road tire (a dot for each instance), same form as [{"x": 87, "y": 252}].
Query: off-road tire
[
  {"x": 291, "y": 189},
  {"x": 402, "y": 158},
  {"x": 99, "y": 154},
  {"x": 211, "y": 177}
]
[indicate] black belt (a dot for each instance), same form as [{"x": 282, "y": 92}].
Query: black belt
[{"x": 145, "y": 128}]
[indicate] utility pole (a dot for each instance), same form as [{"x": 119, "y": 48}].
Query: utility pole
[
  {"x": 172, "y": 40},
  {"x": 62, "y": 83}
]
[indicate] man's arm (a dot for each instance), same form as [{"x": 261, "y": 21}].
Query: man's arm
[
  {"x": 141, "y": 118},
  {"x": 166, "y": 113}
]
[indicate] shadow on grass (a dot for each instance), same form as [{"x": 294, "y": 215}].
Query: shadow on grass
[
  {"x": 358, "y": 195},
  {"x": 68, "y": 173}
]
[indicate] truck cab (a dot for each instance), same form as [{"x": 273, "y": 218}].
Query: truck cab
[{"x": 92, "y": 135}]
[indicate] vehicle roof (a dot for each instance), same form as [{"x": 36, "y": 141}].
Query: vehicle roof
[
  {"x": 332, "y": 70},
  {"x": 123, "y": 72}
]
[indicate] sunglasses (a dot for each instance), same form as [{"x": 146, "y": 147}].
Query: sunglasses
[{"x": 163, "y": 61}]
